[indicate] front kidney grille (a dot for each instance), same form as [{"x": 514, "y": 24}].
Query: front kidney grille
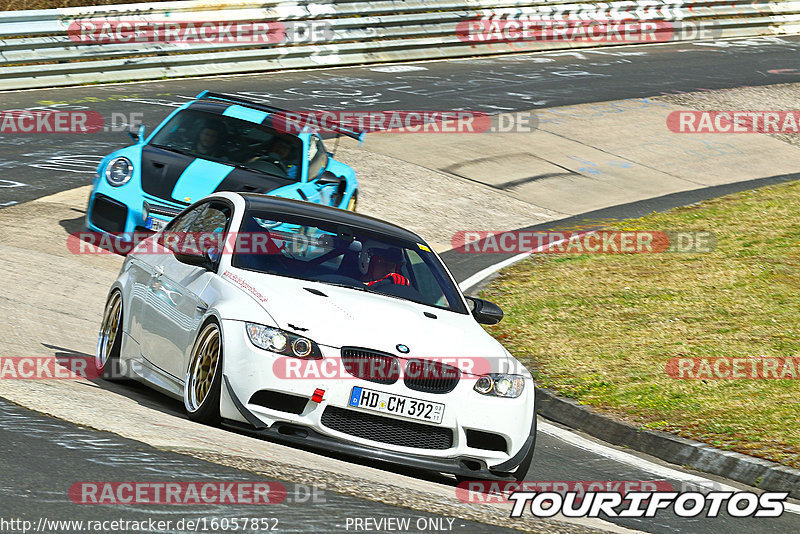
[
  {"x": 431, "y": 376},
  {"x": 371, "y": 365},
  {"x": 386, "y": 430}
]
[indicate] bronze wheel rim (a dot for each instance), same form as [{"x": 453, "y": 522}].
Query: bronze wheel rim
[
  {"x": 204, "y": 364},
  {"x": 112, "y": 317},
  {"x": 351, "y": 206}
]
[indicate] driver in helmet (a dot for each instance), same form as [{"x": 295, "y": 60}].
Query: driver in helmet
[{"x": 383, "y": 266}]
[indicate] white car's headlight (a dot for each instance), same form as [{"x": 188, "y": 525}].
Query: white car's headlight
[
  {"x": 119, "y": 171},
  {"x": 276, "y": 340},
  {"x": 500, "y": 385}
]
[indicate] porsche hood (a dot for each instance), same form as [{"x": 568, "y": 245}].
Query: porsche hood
[{"x": 180, "y": 178}]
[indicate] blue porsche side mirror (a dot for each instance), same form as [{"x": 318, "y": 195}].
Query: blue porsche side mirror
[
  {"x": 328, "y": 178},
  {"x": 138, "y": 136}
]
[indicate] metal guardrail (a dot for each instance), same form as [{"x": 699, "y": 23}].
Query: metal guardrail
[{"x": 38, "y": 48}]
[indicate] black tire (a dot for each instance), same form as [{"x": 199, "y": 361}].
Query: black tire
[
  {"x": 203, "y": 384},
  {"x": 109, "y": 340}
]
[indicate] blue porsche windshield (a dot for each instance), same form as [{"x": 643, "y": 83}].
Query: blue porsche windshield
[
  {"x": 232, "y": 141},
  {"x": 344, "y": 256}
]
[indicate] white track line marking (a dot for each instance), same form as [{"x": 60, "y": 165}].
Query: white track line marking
[
  {"x": 640, "y": 463},
  {"x": 485, "y": 273}
]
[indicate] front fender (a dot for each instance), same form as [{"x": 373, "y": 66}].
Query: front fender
[
  {"x": 229, "y": 301},
  {"x": 123, "y": 285}
]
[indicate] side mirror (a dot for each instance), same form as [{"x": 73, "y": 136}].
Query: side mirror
[
  {"x": 485, "y": 312},
  {"x": 328, "y": 178},
  {"x": 206, "y": 259},
  {"x": 138, "y": 135}
]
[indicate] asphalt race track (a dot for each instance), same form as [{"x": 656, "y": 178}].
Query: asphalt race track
[
  {"x": 68, "y": 453},
  {"x": 36, "y": 456},
  {"x": 47, "y": 163}
]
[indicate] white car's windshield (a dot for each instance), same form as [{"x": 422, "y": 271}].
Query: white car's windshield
[{"x": 344, "y": 256}]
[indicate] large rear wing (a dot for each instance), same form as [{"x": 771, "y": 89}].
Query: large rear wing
[{"x": 336, "y": 127}]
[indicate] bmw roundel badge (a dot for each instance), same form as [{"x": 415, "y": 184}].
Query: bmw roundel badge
[{"x": 403, "y": 349}]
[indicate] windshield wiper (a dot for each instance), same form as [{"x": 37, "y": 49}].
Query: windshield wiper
[
  {"x": 339, "y": 284},
  {"x": 259, "y": 171},
  {"x": 369, "y": 289},
  {"x": 173, "y": 149},
  {"x": 245, "y": 167},
  {"x": 365, "y": 288}
]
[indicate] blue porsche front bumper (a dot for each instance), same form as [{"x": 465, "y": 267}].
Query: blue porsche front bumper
[{"x": 122, "y": 219}]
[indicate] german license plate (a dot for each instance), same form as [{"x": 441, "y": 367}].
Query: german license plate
[
  {"x": 155, "y": 225},
  {"x": 379, "y": 401}
]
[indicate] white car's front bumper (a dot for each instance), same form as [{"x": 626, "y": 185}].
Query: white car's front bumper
[{"x": 453, "y": 446}]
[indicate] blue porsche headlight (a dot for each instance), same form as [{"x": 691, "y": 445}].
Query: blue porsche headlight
[{"x": 119, "y": 171}]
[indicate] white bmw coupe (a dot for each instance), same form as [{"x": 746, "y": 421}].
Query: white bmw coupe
[{"x": 320, "y": 326}]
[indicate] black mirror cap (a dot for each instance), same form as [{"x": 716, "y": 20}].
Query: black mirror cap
[
  {"x": 134, "y": 136},
  {"x": 485, "y": 312},
  {"x": 198, "y": 259},
  {"x": 328, "y": 178}
]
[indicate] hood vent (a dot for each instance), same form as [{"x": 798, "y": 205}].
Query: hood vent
[{"x": 315, "y": 291}]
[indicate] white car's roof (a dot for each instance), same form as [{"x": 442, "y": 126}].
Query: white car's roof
[{"x": 299, "y": 208}]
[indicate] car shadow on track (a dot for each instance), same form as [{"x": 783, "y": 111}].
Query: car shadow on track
[
  {"x": 131, "y": 389},
  {"x": 76, "y": 225},
  {"x": 152, "y": 399}
]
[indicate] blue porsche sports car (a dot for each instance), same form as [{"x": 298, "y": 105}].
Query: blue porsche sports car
[{"x": 215, "y": 143}]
